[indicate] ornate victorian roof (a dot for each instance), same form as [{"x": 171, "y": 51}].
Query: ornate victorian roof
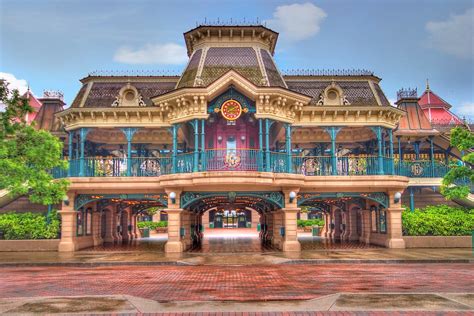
[{"x": 437, "y": 110}]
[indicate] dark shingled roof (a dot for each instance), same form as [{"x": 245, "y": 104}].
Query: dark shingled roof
[
  {"x": 357, "y": 92},
  {"x": 189, "y": 75},
  {"x": 274, "y": 77},
  {"x": 220, "y": 60},
  {"x": 45, "y": 118},
  {"x": 103, "y": 94}
]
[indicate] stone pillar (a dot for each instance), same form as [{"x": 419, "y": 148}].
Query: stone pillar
[
  {"x": 352, "y": 225},
  {"x": 290, "y": 240},
  {"x": 277, "y": 241},
  {"x": 174, "y": 243},
  {"x": 255, "y": 219},
  {"x": 343, "y": 225},
  {"x": 124, "y": 223},
  {"x": 68, "y": 226},
  {"x": 205, "y": 219},
  {"x": 109, "y": 225},
  {"x": 325, "y": 227},
  {"x": 394, "y": 224},
  {"x": 115, "y": 225},
  {"x": 186, "y": 224},
  {"x": 96, "y": 227},
  {"x": 269, "y": 222},
  {"x": 366, "y": 227}
]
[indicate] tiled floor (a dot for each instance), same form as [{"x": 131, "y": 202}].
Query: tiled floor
[
  {"x": 236, "y": 283},
  {"x": 234, "y": 240}
]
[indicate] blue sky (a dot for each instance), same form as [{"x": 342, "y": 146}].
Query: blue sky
[{"x": 52, "y": 44}]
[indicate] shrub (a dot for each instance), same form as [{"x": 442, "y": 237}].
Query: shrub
[
  {"x": 30, "y": 225},
  {"x": 310, "y": 222},
  {"x": 151, "y": 225},
  {"x": 441, "y": 220}
]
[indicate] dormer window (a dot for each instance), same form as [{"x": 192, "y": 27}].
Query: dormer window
[
  {"x": 333, "y": 95},
  {"x": 128, "y": 97}
]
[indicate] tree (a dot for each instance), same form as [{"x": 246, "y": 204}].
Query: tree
[
  {"x": 28, "y": 155},
  {"x": 458, "y": 181}
]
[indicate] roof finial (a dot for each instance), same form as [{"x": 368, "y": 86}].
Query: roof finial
[{"x": 427, "y": 85}]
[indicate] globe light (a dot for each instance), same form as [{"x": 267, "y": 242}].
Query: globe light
[
  {"x": 397, "y": 197},
  {"x": 292, "y": 196},
  {"x": 173, "y": 197}
]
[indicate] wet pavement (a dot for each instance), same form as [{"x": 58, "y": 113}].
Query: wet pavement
[{"x": 225, "y": 247}]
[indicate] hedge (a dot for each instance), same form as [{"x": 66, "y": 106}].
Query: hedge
[
  {"x": 17, "y": 226},
  {"x": 440, "y": 220},
  {"x": 310, "y": 222},
  {"x": 152, "y": 225}
]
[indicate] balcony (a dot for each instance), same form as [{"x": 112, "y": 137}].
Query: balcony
[{"x": 249, "y": 160}]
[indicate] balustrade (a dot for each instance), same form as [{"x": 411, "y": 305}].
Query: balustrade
[{"x": 249, "y": 160}]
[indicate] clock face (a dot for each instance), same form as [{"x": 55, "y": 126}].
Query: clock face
[{"x": 231, "y": 110}]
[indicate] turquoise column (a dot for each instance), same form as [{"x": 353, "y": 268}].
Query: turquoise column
[
  {"x": 390, "y": 138},
  {"x": 378, "y": 132},
  {"x": 288, "y": 148},
  {"x": 83, "y": 135},
  {"x": 174, "y": 131},
  {"x": 267, "y": 145},
  {"x": 203, "y": 145},
  {"x": 333, "y": 131},
  {"x": 129, "y": 132},
  {"x": 71, "y": 136},
  {"x": 432, "y": 157},
  {"x": 196, "y": 146},
  {"x": 412, "y": 199},
  {"x": 416, "y": 146},
  {"x": 260, "y": 145}
]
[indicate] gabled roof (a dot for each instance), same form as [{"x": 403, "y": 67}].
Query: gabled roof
[
  {"x": 437, "y": 109},
  {"x": 431, "y": 99},
  {"x": 34, "y": 103}
]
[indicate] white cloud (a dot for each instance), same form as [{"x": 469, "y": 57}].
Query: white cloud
[
  {"x": 297, "y": 22},
  {"x": 168, "y": 54},
  {"x": 13, "y": 83},
  {"x": 453, "y": 36},
  {"x": 465, "y": 109}
]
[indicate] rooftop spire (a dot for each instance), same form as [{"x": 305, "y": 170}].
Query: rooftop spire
[{"x": 427, "y": 85}]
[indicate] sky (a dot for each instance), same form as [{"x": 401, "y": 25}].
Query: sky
[{"x": 52, "y": 44}]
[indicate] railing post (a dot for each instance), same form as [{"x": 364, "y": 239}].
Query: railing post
[
  {"x": 267, "y": 145},
  {"x": 288, "y": 147},
  {"x": 70, "y": 138},
  {"x": 83, "y": 135},
  {"x": 203, "y": 145},
  {"x": 196, "y": 146},
  {"x": 392, "y": 166},
  {"x": 129, "y": 132},
  {"x": 333, "y": 131},
  {"x": 412, "y": 200},
  {"x": 175, "y": 148},
  {"x": 400, "y": 155},
  {"x": 432, "y": 157}
]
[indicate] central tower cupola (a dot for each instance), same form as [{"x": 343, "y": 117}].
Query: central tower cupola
[{"x": 215, "y": 50}]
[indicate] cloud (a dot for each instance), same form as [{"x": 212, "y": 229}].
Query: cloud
[
  {"x": 13, "y": 83},
  {"x": 167, "y": 54},
  {"x": 297, "y": 22},
  {"x": 453, "y": 36},
  {"x": 465, "y": 109}
]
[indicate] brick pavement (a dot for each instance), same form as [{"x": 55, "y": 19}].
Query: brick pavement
[{"x": 236, "y": 283}]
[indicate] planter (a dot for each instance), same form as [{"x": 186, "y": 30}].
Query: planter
[
  {"x": 438, "y": 241},
  {"x": 307, "y": 229},
  {"x": 29, "y": 245},
  {"x": 161, "y": 229},
  {"x": 144, "y": 232}
]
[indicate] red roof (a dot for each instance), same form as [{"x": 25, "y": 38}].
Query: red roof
[
  {"x": 436, "y": 109},
  {"x": 34, "y": 103}
]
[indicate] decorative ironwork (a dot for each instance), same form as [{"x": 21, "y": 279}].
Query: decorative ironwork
[
  {"x": 328, "y": 72},
  {"x": 407, "y": 93},
  {"x": 134, "y": 72},
  {"x": 53, "y": 94},
  {"x": 130, "y": 199},
  {"x": 231, "y": 93},
  {"x": 274, "y": 198},
  {"x": 334, "y": 198}
]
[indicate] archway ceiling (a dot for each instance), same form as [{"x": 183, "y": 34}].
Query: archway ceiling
[{"x": 240, "y": 203}]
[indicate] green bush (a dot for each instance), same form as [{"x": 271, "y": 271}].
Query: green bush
[
  {"x": 441, "y": 220},
  {"x": 310, "y": 222},
  {"x": 152, "y": 225},
  {"x": 30, "y": 225}
]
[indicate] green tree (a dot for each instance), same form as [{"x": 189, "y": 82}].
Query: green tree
[
  {"x": 28, "y": 155},
  {"x": 457, "y": 182}
]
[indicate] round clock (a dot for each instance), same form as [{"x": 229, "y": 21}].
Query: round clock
[{"x": 231, "y": 110}]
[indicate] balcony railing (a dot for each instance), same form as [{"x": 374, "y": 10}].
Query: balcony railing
[{"x": 249, "y": 160}]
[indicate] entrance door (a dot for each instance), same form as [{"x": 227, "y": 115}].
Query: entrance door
[{"x": 218, "y": 220}]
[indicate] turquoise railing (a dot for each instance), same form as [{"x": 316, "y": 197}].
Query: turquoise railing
[
  {"x": 249, "y": 160},
  {"x": 421, "y": 169},
  {"x": 232, "y": 160}
]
